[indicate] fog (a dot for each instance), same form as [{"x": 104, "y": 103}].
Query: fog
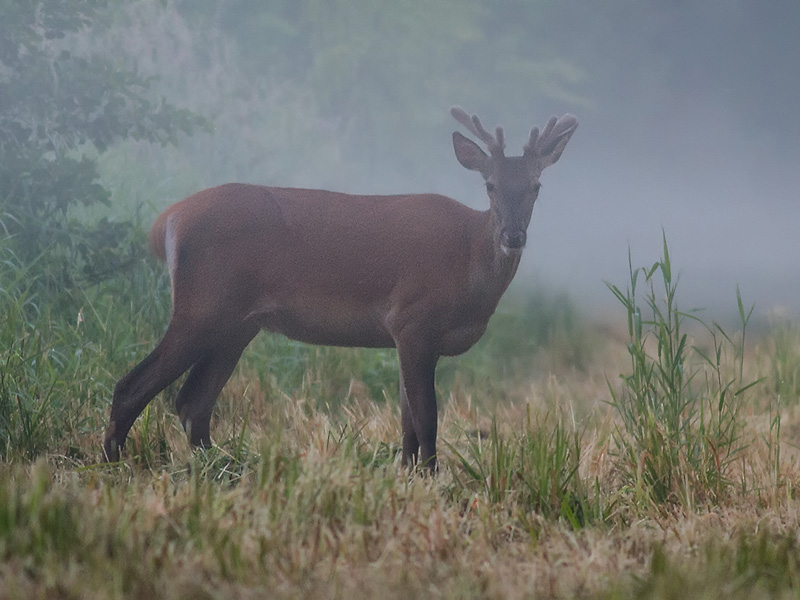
[
  {"x": 688, "y": 121},
  {"x": 705, "y": 147}
]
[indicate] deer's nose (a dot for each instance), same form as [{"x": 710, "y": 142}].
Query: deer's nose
[{"x": 513, "y": 239}]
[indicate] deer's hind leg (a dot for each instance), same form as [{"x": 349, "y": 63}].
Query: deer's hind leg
[
  {"x": 197, "y": 396},
  {"x": 176, "y": 352}
]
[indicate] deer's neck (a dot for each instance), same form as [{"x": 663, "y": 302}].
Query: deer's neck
[{"x": 493, "y": 269}]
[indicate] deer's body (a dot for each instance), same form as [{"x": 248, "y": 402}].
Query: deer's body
[
  {"x": 278, "y": 264},
  {"x": 422, "y": 273}
]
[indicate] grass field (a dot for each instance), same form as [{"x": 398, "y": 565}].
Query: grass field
[{"x": 650, "y": 456}]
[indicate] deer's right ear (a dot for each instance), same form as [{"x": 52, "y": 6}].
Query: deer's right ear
[{"x": 469, "y": 154}]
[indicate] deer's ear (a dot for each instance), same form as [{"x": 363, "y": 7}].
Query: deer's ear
[{"x": 469, "y": 154}]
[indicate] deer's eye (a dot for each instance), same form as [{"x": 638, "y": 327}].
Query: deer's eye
[{"x": 489, "y": 186}]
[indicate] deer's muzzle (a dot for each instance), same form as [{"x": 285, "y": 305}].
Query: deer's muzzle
[{"x": 512, "y": 240}]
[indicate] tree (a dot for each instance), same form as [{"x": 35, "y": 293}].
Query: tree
[{"x": 61, "y": 108}]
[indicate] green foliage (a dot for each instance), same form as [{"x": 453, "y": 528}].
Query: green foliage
[
  {"x": 678, "y": 436},
  {"x": 37, "y": 362},
  {"x": 57, "y": 367},
  {"x": 32, "y": 384},
  {"x": 60, "y": 109}
]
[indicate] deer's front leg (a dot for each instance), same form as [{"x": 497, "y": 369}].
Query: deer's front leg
[
  {"x": 418, "y": 397},
  {"x": 410, "y": 441}
]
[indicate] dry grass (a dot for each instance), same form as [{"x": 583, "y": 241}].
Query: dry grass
[{"x": 307, "y": 502}]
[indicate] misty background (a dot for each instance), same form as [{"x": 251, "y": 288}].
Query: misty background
[{"x": 688, "y": 121}]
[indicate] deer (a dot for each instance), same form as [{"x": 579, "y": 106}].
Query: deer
[{"x": 421, "y": 273}]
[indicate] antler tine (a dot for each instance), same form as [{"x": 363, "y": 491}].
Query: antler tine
[
  {"x": 462, "y": 117},
  {"x": 495, "y": 146},
  {"x": 473, "y": 124},
  {"x": 500, "y": 137},
  {"x": 548, "y": 129},
  {"x": 531, "y": 145},
  {"x": 566, "y": 122},
  {"x": 543, "y": 143}
]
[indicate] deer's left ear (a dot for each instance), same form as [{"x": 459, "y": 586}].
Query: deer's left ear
[{"x": 470, "y": 155}]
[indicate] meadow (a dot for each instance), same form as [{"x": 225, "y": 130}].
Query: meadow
[
  {"x": 649, "y": 452},
  {"x": 648, "y": 455}
]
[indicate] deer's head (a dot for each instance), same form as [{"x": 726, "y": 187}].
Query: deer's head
[{"x": 512, "y": 182}]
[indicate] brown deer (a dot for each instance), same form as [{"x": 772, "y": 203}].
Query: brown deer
[{"x": 420, "y": 272}]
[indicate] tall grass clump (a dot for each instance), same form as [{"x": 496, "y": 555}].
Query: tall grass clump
[
  {"x": 32, "y": 366},
  {"x": 61, "y": 351},
  {"x": 534, "y": 470},
  {"x": 679, "y": 429}
]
